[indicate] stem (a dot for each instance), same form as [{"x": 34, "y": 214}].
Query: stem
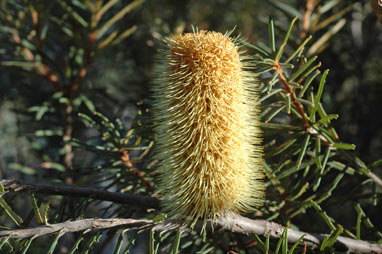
[
  {"x": 290, "y": 93},
  {"x": 49, "y": 189},
  {"x": 231, "y": 222}
]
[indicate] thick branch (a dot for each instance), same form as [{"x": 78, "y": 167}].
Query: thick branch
[
  {"x": 74, "y": 226},
  {"x": 232, "y": 222},
  {"x": 237, "y": 223},
  {"x": 121, "y": 198}
]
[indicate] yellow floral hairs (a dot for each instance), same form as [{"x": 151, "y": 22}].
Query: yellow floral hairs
[{"x": 207, "y": 125}]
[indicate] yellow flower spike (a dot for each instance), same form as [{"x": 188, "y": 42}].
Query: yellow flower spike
[{"x": 207, "y": 124}]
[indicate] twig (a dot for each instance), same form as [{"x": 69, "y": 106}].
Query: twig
[
  {"x": 121, "y": 198},
  {"x": 86, "y": 62},
  {"x": 290, "y": 93},
  {"x": 232, "y": 222},
  {"x": 41, "y": 69}
]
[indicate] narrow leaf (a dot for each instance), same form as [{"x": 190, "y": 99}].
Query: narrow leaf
[
  {"x": 73, "y": 13},
  {"x": 271, "y": 31},
  {"x": 175, "y": 249},
  {"x": 4, "y": 241},
  {"x": 118, "y": 246},
  {"x": 11, "y": 214},
  {"x": 262, "y": 52},
  {"x": 344, "y": 146},
  {"x": 287, "y": 8},
  {"x": 323, "y": 215},
  {"x": 100, "y": 32},
  {"x": 317, "y": 98},
  {"x": 298, "y": 50},
  {"x": 359, "y": 220},
  {"x": 302, "y": 69},
  {"x": 36, "y": 210},
  {"x": 260, "y": 243},
  {"x": 54, "y": 243},
  {"x": 27, "y": 245},
  {"x": 124, "y": 35}
]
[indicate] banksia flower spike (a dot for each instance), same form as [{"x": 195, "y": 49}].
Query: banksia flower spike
[{"x": 207, "y": 126}]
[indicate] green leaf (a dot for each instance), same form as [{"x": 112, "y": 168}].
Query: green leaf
[
  {"x": 36, "y": 210},
  {"x": 77, "y": 17},
  {"x": 77, "y": 243},
  {"x": 281, "y": 148},
  {"x": 280, "y": 51},
  {"x": 285, "y": 241},
  {"x": 118, "y": 246},
  {"x": 274, "y": 113},
  {"x": 27, "y": 245},
  {"x": 131, "y": 242},
  {"x": 271, "y": 31},
  {"x": 302, "y": 68},
  {"x": 303, "y": 151},
  {"x": 329, "y": 241},
  {"x": 87, "y": 120},
  {"x": 45, "y": 213},
  {"x": 11, "y": 214},
  {"x": 307, "y": 83},
  {"x": 298, "y": 50},
  {"x": 302, "y": 190},
  {"x": 262, "y": 52},
  {"x": 152, "y": 242},
  {"x": 55, "y": 241},
  {"x": 100, "y": 32},
  {"x": 124, "y": 35},
  {"x": 344, "y": 146},
  {"x": 53, "y": 165},
  {"x": 20, "y": 64},
  {"x": 106, "y": 7},
  {"x": 360, "y": 214},
  {"x": 159, "y": 218},
  {"x": 326, "y": 120},
  {"x": 287, "y": 8},
  {"x": 4, "y": 240},
  {"x": 317, "y": 98},
  {"x": 175, "y": 248},
  {"x": 323, "y": 215},
  {"x": 328, "y": 192},
  {"x": 268, "y": 95},
  {"x": 48, "y": 133},
  {"x": 290, "y": 28},
  {"x": 260, "y": 244},
  {"x": 89, "y": 104},
  {"x": 95, "y": 239},
  {"x": 21, "y": 168},
  {"x": 281, "y": 241},
  {"x": 107, "y": 41}
]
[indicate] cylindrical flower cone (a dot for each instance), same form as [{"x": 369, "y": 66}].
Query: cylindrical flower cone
[{"x": 207, "y": 125}]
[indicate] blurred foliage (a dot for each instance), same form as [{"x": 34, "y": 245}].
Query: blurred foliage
[{"x": 75, "y": 110}]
